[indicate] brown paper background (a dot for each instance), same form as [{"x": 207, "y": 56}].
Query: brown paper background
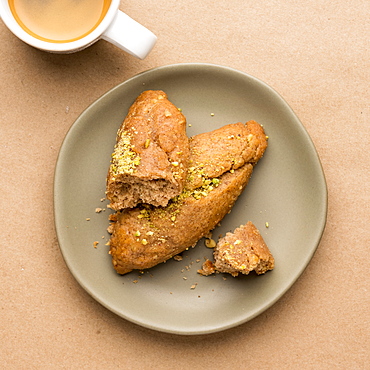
[{"x": 315, "y": 53}]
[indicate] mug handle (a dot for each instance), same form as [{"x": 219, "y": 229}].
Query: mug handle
[{"x": 130, "y": 36}]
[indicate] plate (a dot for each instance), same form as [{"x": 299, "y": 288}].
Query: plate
[{"x": 287, "y": 193}]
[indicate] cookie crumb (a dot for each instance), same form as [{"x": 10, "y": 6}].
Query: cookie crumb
[
  {"x": 210, "y": 243},
  {"x": 207, "y": 269}
]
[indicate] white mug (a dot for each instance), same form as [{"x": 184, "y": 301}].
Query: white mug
[{"x": 116, "y": 27}]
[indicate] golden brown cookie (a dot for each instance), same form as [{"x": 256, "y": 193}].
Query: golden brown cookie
[{"x": 150, "y": 159}]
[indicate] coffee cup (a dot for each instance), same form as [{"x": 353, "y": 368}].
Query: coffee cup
[{"x": 68, "y": 33}]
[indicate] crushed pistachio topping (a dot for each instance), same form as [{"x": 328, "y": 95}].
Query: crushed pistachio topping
[
  {"x": 124, "y": 158},
  {"x": 207, "y": 184},
  {"x": 144, "y": 213}
]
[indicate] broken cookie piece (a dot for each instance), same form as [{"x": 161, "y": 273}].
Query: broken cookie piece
[
  {"x": 150, "y": 159},
  {"x": 240, "y": 252}
]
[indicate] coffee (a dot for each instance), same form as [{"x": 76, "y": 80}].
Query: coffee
[{"x": 59, "y": 21}]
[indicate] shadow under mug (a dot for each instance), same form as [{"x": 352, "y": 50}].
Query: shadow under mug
[{"x": 116, "y": 27}]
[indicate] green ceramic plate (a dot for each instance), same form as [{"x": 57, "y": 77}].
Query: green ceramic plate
[{"x": 287, "y": 190}]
